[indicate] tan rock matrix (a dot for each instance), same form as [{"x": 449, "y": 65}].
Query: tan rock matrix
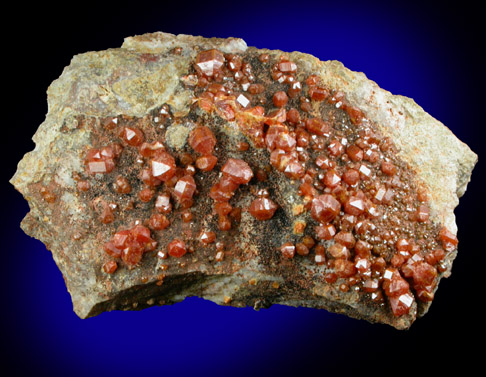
[{"x": 181, "y": 166}]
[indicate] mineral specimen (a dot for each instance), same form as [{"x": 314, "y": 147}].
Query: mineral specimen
[{"x": 181, "y": 166}]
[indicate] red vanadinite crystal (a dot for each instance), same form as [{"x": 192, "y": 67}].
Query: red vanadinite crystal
[
  {"x": 102, "y": 166},
  {"x": 288, "y": 250},
  {"x": 371, "y": 285},
  {"x": 423, "y": 213},
  {"x": 225, "y": 109},
  {"x": 202, "y": 140},
  {"x": 403, "y": 245},
  {"x": 163, "y": 204},
  {"x": 448, "y": 239},
  {"x": 363, "y": 266},
  {"x": 339, "y": 251},
  {"x": 400, "y": 305},
  {"x": 222, "y": 208},
  {"x": 325, "y": 208},
  {"x": 112, "y": 250},
  {"x": 294, "y": 169},
  {"x": 294, "y": 89},
  {"x": 355, "y": 115},
  {"x": 344, "y": 268},
  {"x": 264, "y": 58},
  {"x": 302, "y": 137},
  {"x": 305, "y": 106},
  {"x": 424, "y": 276},
  {"x": 351, "y": 176},
  {"x": 331, "y": 178},
  {"x": 330, "y": 277},
  {"x": 234, "y": 62},
  {"x": 190, "y": 170},
  {"x": 121, "y": 239},
  {"x": 371, "y": 155},
  {"x": 320, "y": 249},
  {"x": 110, "y": 267},
  {"x": 394, "y": 284},
  {"x": 388, "y": 168},
  {"x": 306, "y": 189},
  {"x": 110, "y": 123},
  {"x": 397, "y": 290},
  {"x": 301, "y": 249},
  {"x": 279, "y": 137},
  {"x": 436, "y": 256},
  {"x": 209, "y": 62},
  {"x": 293, "y": 116},
  {"x": 335, "y": 148},
  {"x": 273, "y": 133},
  {"x": 122, "y": 185},
  {"x": 223, "y": 190},
  {"x": 141, "y": 234},
  {"x": 363, "y": 249},
  {"x": 147, "y": 178},
  {"x": 158, "y": 221},
  {"x": 206, "y": 163},
  {"x": 130, "y": 244},
  {"x": 317, "y": 126},
  {"x": 163, "y": 166},
  {"x": 280, "y": 99},
  {"x": 151, "y": 149},
  {"x": 261, "y": 175},
  {"x": 263, "y": 208},
  {"x": 279, "y": 159},
  {"x": 285, "y": 141},
  {"x": 318, "y": 93},
  {"x": 256, "y": 88},
  {"x": 325, "y": 231},
  {"x": 354, "y": 206},
  {"x": 355, "y": 153},
  {"x": 276, "y": 116},
  {"x": 187, "y": 216},
  {"x": 102, "y": 160},
  {"x": 345, "y": 238},
  {"x": 323, "y": 162},
  {"x": 184, "y": 188},
  {"x": 177, "y": 248},
  {"x": 207, "y": 237},
  {"x": 227, "y": 184},
  {"x": 146, "y": 194},
  {"x": 237, "y": 171},
  {"x": 83, "y": 185},
  {"x": 224, "y": 222},
  {"x": 242, "y": 146},
  {"x": 132, "y": 136},
  {"x": 313, "y": 80},
  {"x": 186, "y": 159},
  {"x": 107, "y": 216},
  {"x": 287, "y": 66}
]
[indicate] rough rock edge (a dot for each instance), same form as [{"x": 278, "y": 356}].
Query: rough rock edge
[{"x": 398, "y": 115}]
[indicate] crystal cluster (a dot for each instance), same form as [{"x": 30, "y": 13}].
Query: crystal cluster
[
  {"x": 245, "y": 177},
  {"x": 370, "y": 231}
]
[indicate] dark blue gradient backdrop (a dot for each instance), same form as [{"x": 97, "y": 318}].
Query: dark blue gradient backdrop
[{"x": 428, "y": 52}]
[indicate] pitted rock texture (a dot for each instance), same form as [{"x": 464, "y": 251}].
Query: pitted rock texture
[{"x": 181, "y": 166}]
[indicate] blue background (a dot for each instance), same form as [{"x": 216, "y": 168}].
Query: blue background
[{"x": 430, "y": 52}]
